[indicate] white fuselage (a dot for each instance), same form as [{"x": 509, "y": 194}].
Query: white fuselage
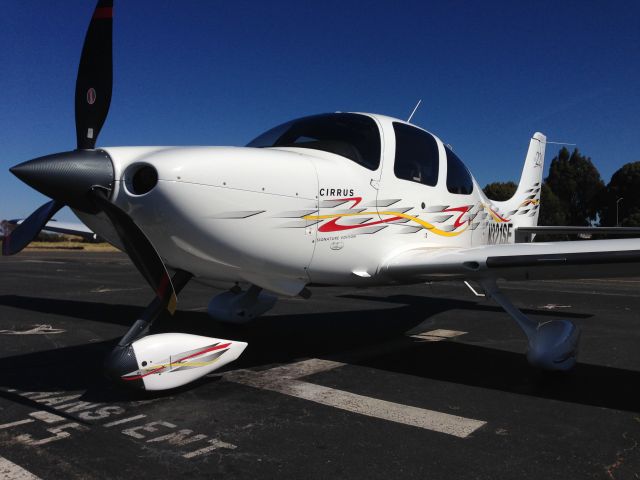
[{"x": 283, "y": 217}]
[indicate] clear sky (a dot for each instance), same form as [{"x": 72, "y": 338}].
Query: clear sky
[{"x": 210, "y": 72}]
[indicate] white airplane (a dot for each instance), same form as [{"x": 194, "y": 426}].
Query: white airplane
[{"x": 335, "y": 199}]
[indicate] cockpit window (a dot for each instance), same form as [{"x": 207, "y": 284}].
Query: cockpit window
[
  {"x": 458, "y": 177},
  {"x": 417, "y": 157},
  {"x": 350, "y": 135}
]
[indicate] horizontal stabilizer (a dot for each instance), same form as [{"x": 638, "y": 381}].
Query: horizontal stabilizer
[{"x": 523, "y": 234}]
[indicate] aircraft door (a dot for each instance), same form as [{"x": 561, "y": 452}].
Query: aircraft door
[
  {"x": 347, "y": 215},
  {"x": 413, "y": 198}
]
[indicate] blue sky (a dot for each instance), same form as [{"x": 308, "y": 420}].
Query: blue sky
[{"x": 219, "y": 73}]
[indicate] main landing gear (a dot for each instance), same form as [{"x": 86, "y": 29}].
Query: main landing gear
[{"x": 553, "y": 345}]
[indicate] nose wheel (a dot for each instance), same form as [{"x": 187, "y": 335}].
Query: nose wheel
[{"x": 166, "y": 360}]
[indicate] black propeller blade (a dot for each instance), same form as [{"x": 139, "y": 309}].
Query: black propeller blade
[
  {"x": 84, "y": 178},
  {"x": 95, "y": 76},
  {"x": 140, "y": 250},
  {"x": 29, "y": 228}
]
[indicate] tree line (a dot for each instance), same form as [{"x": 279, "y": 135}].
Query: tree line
[{"x": 574, "y": 194}]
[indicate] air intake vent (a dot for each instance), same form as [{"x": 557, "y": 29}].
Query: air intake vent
[{"x": 140, "y": 179}]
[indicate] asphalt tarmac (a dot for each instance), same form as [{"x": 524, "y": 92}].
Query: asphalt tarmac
[{"x": 424, "y": 381}]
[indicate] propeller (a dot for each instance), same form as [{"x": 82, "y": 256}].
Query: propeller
[
  {"x": 30, "y": 228},
  {"x": 95, "y": 76},
  {"x": 83, "y": 178}
]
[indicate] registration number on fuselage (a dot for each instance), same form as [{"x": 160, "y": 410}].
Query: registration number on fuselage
[{"x": 500, "y": 233}]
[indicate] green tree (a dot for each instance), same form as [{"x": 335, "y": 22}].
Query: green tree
[
  {"x": 552, "y": 210},
  {"x": 577, "y": 184},
  {"x": 500, "y": 191},
  {"x": 625, "y": 185}
]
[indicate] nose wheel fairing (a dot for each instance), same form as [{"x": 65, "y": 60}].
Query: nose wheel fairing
[{"x": 167, "y": 360}]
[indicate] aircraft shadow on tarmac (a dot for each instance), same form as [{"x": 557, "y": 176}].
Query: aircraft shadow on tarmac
[{"x": 284, "y": 338}]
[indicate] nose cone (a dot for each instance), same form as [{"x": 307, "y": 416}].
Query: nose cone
[{"x": 67, "y": 176}]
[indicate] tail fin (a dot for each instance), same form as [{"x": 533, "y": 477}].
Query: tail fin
[{"x": 523, "y": 208}]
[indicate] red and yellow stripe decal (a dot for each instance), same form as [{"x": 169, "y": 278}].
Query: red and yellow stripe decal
[
  {"x": 392, "y": 216},
  {"x": 333, "y": 227}
]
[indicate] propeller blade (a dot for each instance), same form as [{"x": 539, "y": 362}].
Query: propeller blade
[
  {"x": 140, "y": 250},
  {"x": 29, "y": 228},
  {"x": 95, "y": 76}
]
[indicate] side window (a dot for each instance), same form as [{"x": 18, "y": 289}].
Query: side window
[
  {"x": 458, "y": 177},
  {"x": 417, "y": 157}
]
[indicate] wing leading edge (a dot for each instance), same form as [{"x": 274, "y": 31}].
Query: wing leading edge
[{"x": 520, "y": 261}]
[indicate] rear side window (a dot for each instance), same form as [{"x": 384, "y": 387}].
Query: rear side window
[
  {"x": 458, "y": 177},
  {"x": 417, "y": 156}
]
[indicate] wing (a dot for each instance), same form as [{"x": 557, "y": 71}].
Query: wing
[
  {"x": 520, "y": 261},
  {"x": 71, "y": 229},
  {"x": 68, "y": 228}
]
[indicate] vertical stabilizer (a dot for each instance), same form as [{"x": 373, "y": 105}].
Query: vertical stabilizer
[{"x": 523, "y": 208}]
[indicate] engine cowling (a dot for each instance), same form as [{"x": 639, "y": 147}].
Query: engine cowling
[{"x": 169, "y": 360}]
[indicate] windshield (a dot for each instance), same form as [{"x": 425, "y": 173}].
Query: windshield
[{"x": 350, "y": 135}]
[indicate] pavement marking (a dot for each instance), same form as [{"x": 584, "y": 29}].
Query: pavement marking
[
  {"x": 148, "y": 427},
  {"x": 47, "y": 417},
  {"x": 36, "y": 330},
  {"x": 417, "y": 417},
  {"x": 578, "y": 290},
  {"x": 215, "y": 444},
  {"x": 110, "y": 290},
  {"x": 553, "y": 306},
  {"x": 181, "y": 437},
  {"x": 124, "y": 420},
  {"x": 139, "y": 427},
  {"x": 437, "y": 335},
  {"x": 15, "y": 424},
  {"x": 11, "y": 471},
  {"x": 43, "y": 261},
  {"x": 285, "y": 380}
]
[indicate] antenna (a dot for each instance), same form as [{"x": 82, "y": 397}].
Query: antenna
[
  {"x": 414, "y": 110},
  {"x": 561, "y": 143}
]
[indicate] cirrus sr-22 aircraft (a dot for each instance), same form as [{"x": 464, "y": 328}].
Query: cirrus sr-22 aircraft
[{"x": 334, "y": 199}]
